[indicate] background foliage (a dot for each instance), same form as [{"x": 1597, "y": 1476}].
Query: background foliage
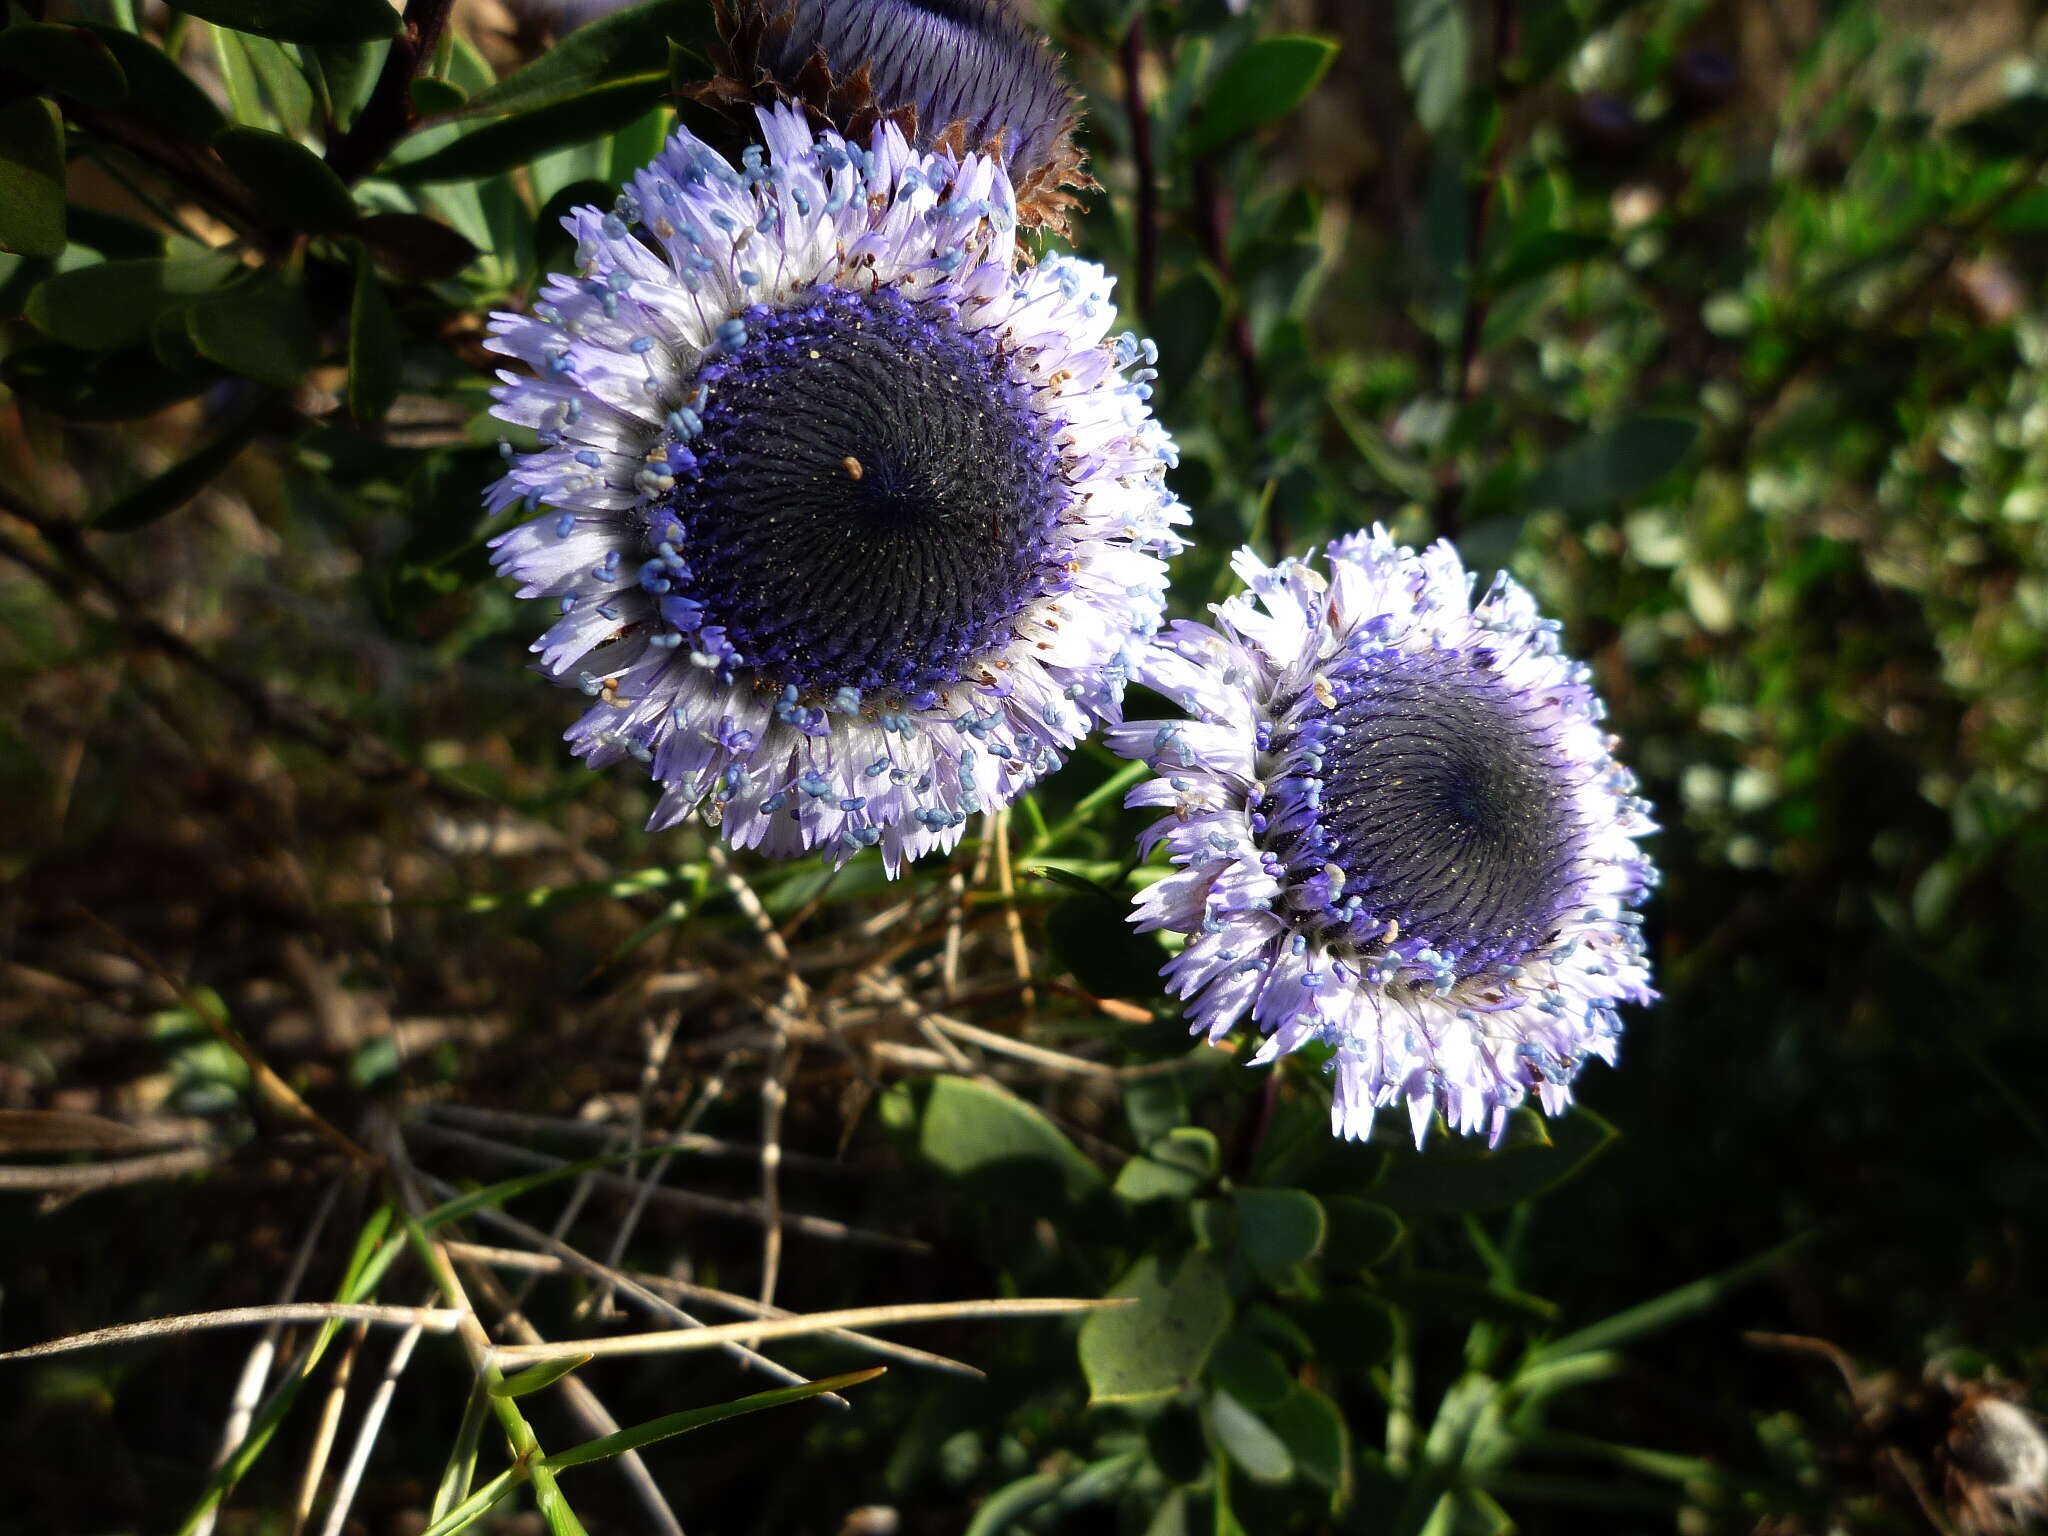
[{"x": 1720, "y": 324}]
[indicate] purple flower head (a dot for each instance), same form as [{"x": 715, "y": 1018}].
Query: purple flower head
[
  {"x": 1400, "y": 830},
  {"x": 954, "y": 74},
  {"x": 850, "y": 528}
]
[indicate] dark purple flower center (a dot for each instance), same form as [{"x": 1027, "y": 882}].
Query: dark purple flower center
[
  {"x": 1448, "y": 806},
  {"x": 872, "y": 500},
  {"x": 964, "y": 61}
]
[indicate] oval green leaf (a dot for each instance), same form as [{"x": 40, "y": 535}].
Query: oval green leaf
[
  {"x": 1261, "y": 84},
  {"x": 160, "y": 94},
  {"x": 1261, "y": 1454},
  {"x": 300, "y": 21},
  {"x": 514, "y": 141},
  {"x": 609, "y": 49},
  {"x": 113, "y": 304},
  {"x": 1279, "y": 1229},
  {"x": 287, "y": 178},
  {"x": 975, "y": 1130},
  {"x": 257, "y": 327},
  {"x": 1160, "y": 1345},
  {"x": 31, "y": 177},
  {"x": 66, "y": 61}
]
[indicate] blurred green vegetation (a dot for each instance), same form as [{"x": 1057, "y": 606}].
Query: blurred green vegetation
[{"x": 1721, "y": 325}]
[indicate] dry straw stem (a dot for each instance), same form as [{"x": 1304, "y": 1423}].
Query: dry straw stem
[
  {"x": 85, "y": 1178},
  {"x": 667, "y": 1310},
  {"x": 682, "y": 1290},
  {"x": 671, "y": 1342},
  {"x": 432, "y": 1319}
]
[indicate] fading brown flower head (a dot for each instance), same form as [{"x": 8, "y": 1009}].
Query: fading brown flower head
[{"x": 958, "y": 75}]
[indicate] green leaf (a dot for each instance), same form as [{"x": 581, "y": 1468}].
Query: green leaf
[
  {"x": 1312, "y": 1428},
  {"x": 300, "y": 21},
  {"x": 513, "y": 141},
  {"x": 1351, "y": 1327},
  {"x": 609, "y": 49},
  {"x": 288, "y": 179},
  {"x": 1457, "y": 1174},
  {"x": 257, "y": 327},
  {"x": 671, "y": 1425},
  {"x": 1279, "y": 1229},
  {"x": 65, "y": 61},
  {"x": 1361, "y": 1235},
  {"x": 1261, "y": 1454},
  {"x": 98, "y": 386},
  {"x": 1262, "y": 83},
  {"x": 372, "y": 345},
  {"x": 1172, "y": 1168},
  {"x": 160, "y": 94},
  {"x": 433, "y": 98},
  {"x": 534, "y": 1378},
  {"x": 1612, "y": 466},
  {"x": 1160, "y": 1345},
  {"x": 185, "y": 479},
  {"x": 1249, "y": 1371},
  {"x": 113, "y": 304},
  {"x": 284, "y": 84},
  {"x": 1434, "y": 50},
  {"x": 975, "y": 1130},
  {"x": 31, "y": 177}
]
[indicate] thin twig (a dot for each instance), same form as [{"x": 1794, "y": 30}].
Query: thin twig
[
  {"x": 329, "y": 1425},
  {"x": 433, "y": 1319},
  {"x": 367, "y": 1432},
  {"x": 584, "y": 1403},
  {"x": 677, "y": 1340},
  {"x": 683, "y": 1290},
  {"x": 85, "y": 1178},
  {"x": 389, "y": 112},
  {"x": 1013, "y": 920},
  {"x": 661, "y": 1306},
  {"x": 256, "y": 1369}
]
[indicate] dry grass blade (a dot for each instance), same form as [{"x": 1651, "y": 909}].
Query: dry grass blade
[
  {"x": 674, "y": 1341},
  {"x": 432, "y": 1319},
  {"x": 84, "y": 1178},
  {"x": 541, "y": 1263},
  {"x": 625, "y": 1284},
  {"x": 366, "y": 1433}
]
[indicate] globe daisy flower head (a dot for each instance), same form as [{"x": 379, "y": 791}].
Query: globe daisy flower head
[
  {"x": 1400, "y": 830},
  {"x": 955, "y": 74},
  {"x": 849, "y": 527}
]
